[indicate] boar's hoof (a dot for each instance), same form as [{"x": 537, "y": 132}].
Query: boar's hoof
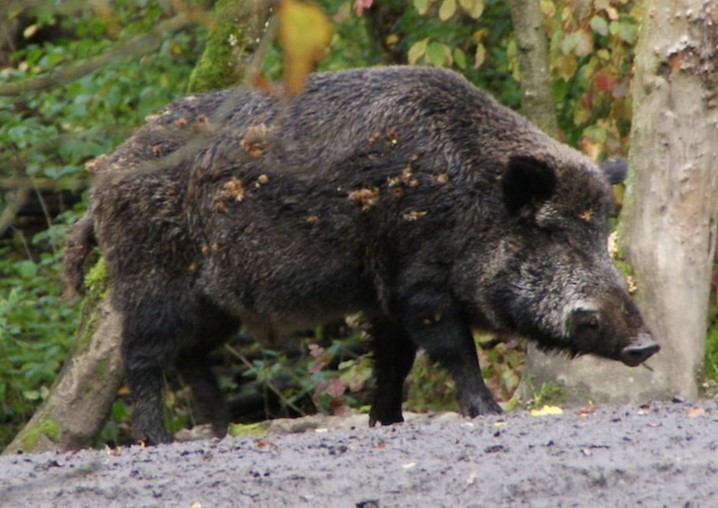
[
  {"x": 481, "y": 406},
  {"x": 639, "y": 351}
]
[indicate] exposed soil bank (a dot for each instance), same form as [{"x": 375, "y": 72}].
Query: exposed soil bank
[{"x": 662, "y": 454}]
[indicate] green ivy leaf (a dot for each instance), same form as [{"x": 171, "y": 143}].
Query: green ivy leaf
[
  {"x": 417, "y": 51},
  {"x": 460, "y": 58},
  {"x": 438, "y": 55},
  {"x": 27, "y": 269},
  {"x": 599, "y": 25}
]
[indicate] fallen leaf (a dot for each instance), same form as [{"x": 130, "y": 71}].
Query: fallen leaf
[
  {"x": 261, "y": 443},
  {"x": 115, "y": 452},
  {"x": 547, "y": 411},
  {"x": 471, "y": 479},
  {"x": 695, "y": 412},
  {"x": 586, "y": 410},
  {"x": 409, "y": 465}
]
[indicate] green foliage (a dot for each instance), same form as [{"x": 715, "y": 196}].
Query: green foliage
[
  {"x": 548, "y": 394},
  {"x": 429, "y": 387},
  {"x": 503, "y": 363},
  {"x": 51, "y": 134},
  {"x": 473, "y": 37},
  {"x": 326, "y": 377},
  {"x": 46, "y": 138},
  {"x": 710, "y": 363},
  {"x": 36, "y": 330},
  {"x": 591, "y": 58}
]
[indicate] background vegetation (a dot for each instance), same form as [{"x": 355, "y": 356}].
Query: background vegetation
[{"x": 76, "y": 78}]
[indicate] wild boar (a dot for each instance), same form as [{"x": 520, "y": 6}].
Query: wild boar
[{"x": 403, "y": 193}]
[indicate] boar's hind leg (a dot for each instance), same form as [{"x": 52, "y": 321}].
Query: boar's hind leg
[
  {"x": 144, "y": 380},
  {"x": 195, "y": 369},
  {"x": 145, "y": 357},
  {"x": 394, "y": 355},
  {"x": 448, "y": 340}
]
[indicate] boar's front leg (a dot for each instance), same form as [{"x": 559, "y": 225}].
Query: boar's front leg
[
  {"x": 394, "y": 354},
  {"x": 433, "y": 323}
]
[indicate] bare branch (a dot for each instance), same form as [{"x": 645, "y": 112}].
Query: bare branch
[
  {"x": 8, "y": 215},
  {"x": 139, "y": 45}
]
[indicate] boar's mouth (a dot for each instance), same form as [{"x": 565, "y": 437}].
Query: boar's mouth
[{"x": 639, "y": 350}]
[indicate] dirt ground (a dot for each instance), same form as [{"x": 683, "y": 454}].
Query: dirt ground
[{"x": 660, "y": 454}]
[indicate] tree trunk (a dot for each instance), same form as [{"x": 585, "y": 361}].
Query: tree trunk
[
  {"x": 671, "y": 209},
  {"x": 237, "y": 29},
  {"x": 80, "y": 400},
  {"x": 536, "y": 97},
  {"x": 668, "y": 227}
]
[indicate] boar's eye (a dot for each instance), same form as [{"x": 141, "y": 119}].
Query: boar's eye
[
  {"x": 567, "y": 238},
  {"x": 584, "y": 321}
]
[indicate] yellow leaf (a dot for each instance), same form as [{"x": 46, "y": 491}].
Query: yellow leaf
[
  {"x": 417, "y": 50},
  {"x": 547, "y": 411},
  {"x": 422, "y": 6},
  {"x": 566, "y": 66},
  {"x": 548, "y": 9},
  {"x": 447, "y": 9},
  {"x": 30, "y": 31},
  {"x": 479, "y": 56},
  {"x": 695, "y": 412},
  {"x": 304, "y": 33},
  {"x": 391, "y": 39},
  {"x": 473, "y": 8}
]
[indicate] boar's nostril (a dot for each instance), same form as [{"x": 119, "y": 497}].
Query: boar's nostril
[{"x": 638, "y": 352}]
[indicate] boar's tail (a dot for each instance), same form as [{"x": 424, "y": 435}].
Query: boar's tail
[{"x": 79, "y": 243}]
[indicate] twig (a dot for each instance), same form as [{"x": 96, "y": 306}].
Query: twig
[
  {"x": 8, "y": 214},
  {"x": 140, "y": 44},
  {"x": 268, "y": 383}
]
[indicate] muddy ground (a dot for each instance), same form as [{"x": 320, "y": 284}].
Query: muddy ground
[{"x": 661, "y": 454}]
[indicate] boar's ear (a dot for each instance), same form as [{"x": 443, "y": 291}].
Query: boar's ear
[
  {"x": 527, "y": 182},
  {"x": 615, "y": 170}
]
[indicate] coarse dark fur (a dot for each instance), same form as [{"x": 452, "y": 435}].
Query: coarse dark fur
[{"x": 403, "y": 193}]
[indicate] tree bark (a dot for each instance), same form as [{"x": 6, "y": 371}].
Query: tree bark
[
  {"x": 237, "y": 30},
  {"x": 536, "y": 97},
  {"x": 671, "y": 208}
]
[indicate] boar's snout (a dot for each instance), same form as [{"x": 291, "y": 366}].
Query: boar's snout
[{"x": 639, "y": 350}]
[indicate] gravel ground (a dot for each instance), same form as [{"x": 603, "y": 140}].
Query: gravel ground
[{"x": 659, "y": 454}]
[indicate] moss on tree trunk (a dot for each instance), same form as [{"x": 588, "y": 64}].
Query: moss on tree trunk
[{"x": 233, "y": 35}]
